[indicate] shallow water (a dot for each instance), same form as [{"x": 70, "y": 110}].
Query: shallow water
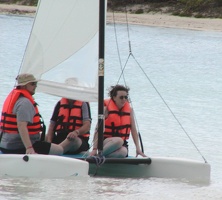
[{"x": 185, "y": 68}]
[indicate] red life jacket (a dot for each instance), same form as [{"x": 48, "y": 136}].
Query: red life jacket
[
  {"x": 118, "y": 121},
  {"x": 70, "y": 117},
  {"x": 8, "y": 119}
]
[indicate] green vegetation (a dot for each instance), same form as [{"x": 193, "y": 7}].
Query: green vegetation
[
  {"x": 201, "y": 8},
  {"x": 195, "y": 8},
  {"x": 20, "y": 2}
]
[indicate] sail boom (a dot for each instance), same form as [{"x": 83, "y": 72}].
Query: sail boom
[{"x": 82, "y": 93}]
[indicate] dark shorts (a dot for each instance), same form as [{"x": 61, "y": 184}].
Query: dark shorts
[
  {"x": 125, "y": 144},
  {"x": 39, "y": 147}
]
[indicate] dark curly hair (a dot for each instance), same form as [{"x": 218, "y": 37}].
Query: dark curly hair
[{"x": 114, "y": 89}]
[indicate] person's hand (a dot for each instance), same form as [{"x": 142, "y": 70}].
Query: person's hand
[
  {"x": 93, "y": 152},
  {"x": 72, "y": 135},
  {"x": 139, "y": 152},
  {"x": 30, "y": 151}
]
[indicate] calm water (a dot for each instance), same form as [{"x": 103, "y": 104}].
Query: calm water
[{"x": 184, "y": 66}]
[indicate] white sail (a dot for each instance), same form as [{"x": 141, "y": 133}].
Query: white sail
[{"x": 63, "y": 48}]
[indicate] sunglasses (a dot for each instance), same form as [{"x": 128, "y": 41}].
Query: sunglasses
[
  {"x": 122, "y": 97},
  {"x": 33, "y": 83}
]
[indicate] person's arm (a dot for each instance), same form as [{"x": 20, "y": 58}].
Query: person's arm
[
  {"x": 95, "y": 143},
  {"x": 84, "y": 128},
  {"x": 78, "y": 132},
  {"x": 25, "y": 112},
  {"x": 86, "y": 119},
  {"x": 51, "y": 128},
  {"x": 86, "y": 123},
  {"x": 24, "y": 134},
  {"x": 135, "y": 135},
  {"x": 50, "y": 132},
  {"x": 95, "y": 138}
]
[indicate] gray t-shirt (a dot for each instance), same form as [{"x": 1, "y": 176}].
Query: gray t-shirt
[{"x": 24, "y": 111}]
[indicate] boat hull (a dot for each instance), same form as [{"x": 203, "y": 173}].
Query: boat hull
[
  {"x": 41, "y": 166},
  {"x": 160, "y": 167},
  {"x": 48, "y": 166}
]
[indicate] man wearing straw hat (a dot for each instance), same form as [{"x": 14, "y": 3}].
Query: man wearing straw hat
[{"x": 21, "y": 123}]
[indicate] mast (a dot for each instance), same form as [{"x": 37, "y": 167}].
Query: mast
[{"x": 101, "y": 75}]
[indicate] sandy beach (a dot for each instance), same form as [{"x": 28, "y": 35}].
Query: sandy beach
[{"x": 150, "y": 19}]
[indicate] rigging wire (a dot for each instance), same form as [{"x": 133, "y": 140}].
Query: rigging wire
[
  {"x": 123, "y": 68},
  {"x": 152, "y": 84}
]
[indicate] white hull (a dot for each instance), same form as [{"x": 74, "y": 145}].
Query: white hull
[
  {"x": 178, "y": 168},
  {"x": 41, "y": 166}
]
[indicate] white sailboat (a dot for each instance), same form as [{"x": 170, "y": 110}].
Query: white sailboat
[{"x": 66, "y": 52}]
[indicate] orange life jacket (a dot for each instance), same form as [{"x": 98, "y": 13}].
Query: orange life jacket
[
  {"x": 8, "y": 119},
  {"x": 70, "y": 117},
  {"x": 118, "y": 121}
]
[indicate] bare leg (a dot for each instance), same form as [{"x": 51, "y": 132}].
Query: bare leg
[
  {"x": 113, "y": 147},
  {"x": 71, "y": 145},
  {"x": 56, "y": 149},
  {"x": 119, "y": 153}
]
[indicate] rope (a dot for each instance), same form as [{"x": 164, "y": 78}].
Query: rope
[
  {"x": 99, "y": 161},
  {"x": 122, "y": 74}
]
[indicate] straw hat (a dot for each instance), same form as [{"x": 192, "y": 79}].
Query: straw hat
[{"x": 23, "y": 79}]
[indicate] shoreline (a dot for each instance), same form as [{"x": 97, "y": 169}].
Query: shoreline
[
  {"x": 149, "y": 19},
  {"x": 168, "y": 21}
]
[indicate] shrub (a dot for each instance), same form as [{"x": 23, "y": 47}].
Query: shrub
[{"x": 139, "y": 11}]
